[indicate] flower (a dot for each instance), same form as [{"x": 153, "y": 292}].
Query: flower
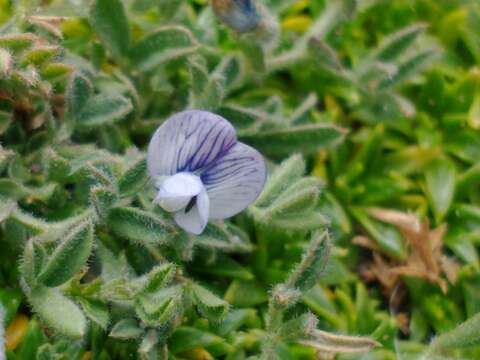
[
  {"x": 240, "y": 15},
  {"x": 200, "y": 169}
]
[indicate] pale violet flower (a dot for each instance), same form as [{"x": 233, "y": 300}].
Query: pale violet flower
[
  {"x": 201, "y": 171},
  {"x": 241, "y": 15}
]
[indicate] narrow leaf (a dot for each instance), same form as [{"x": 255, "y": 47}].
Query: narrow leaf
[
  {"x": 109, "y": 20},
  {"x": 307, "y": 139},
  {"x": 102, "y": 110},
  {"x": 167, "y": 43},
  {"x": 440, "y": 180},
  {"x": 209, "y": 305},
  {"x": 138, "y": 225},
  {"x": 58, "y": 312},
  {"x": 69, "y": 257}
]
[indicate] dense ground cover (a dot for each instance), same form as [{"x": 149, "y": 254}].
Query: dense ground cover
[{"x": 368, "y": 115}]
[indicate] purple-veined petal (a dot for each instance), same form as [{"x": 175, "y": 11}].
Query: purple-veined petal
[
  {"x": 189, "y": 141},
  {"x": 234, "y": 181},
  {"x": 176, "y": 191},
  {"x": 194, "y": 219}
]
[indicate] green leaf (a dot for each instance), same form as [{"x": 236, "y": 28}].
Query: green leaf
[
  {"x": 301, "y": 220},
  {"x": 109, "y": 20},
  {"x": 58, "y": 312},
  {"x": 126, "y": 329},
  {"x": 34, "y": 257},
  {"x": 465, "y": 335},
  {"x": 440, "y": 178},
  {"x": 301, "y": 196},
  {"x": 17, "y": 42},
  {"x": 160, "y": 308},
  {"x": 165, "y": 44},
  {"x": 308, "y": 271},
  {"x": 396, "y": 44},
  {"x": 284, "y": 175},
  {"x": 78, "y": 92},
  {"x": 226, "y": 267},
  {"x": 206, "y": 89},
  {"x": 188, "y": 338},
  {"x": 134, "y": 178},
  {"x": 159, "y": 277},
  {"x": 235, "y": 294},
  {"x": 298, "y": 328},
  {"x": 40, "y": 55},
  {"x": 407, "y": 68},
  {"x": 102, "y": 198},
  {"x": 96, "y": 311},
  {"x": 240, "y": 116},
  {"x": 10, "y": 299},
  {"x": 69, "y": 257},
  {"x": 225, "y": 237},
  {"x": 306, "y": 138},
  {"x": 102, "y": 110},
  {"x": 33, "y": 339},
  {"x": 138, "y": 225},
  {"x": 209, "y": 305},
  {"x": 55, "y": 71},
  {"x": 386, "y": 236}
]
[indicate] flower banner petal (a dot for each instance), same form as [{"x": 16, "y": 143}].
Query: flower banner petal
[
  {"x": 189, "y": 141},
  {"x": 234, "y": 181},
  {"x": 194, "y": 219}
]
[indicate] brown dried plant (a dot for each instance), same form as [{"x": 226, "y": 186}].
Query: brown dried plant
[{"x": 425, "y": 258}]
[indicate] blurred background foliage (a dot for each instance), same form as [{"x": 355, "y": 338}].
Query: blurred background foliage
[{"x": 380, "y": 98}]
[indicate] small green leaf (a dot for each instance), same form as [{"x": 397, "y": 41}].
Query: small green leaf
[
  {"x": 159, "y": 277},
  {"x": 284, "y": 175},
  {"x": 109, "y": 20},
  {"x": 235, "y": 294},
  {"x": 126, "y": 329},
  {"x": 160, "y": 308},
  {"x": 241, "y": 117},
  {"x": 138, "y": 225},
  {"x": 102, "y": 198},
  {"x": 394, "y": 45},
  {"x": 188, "y": 338},
  {"x": 34, "y": 257},
  {"x": 102, "y": 110},
  {"x": 440, "y": 178},
  {"x": 69, "y": 257},
  {"x": 78, "y": 92},
  {"x": 209, "y": 305},
  {"x": 474, "y": 113},
  {"x": 165, "y": 44},
  {"x": 96, "y": 311},
  {"x": 306, "y": 138},
  {"x": 10, "y": 299},
  {"x": 386, "y": 236},
  {"x": 206, "y": 89},
  {"x": 134, "y": 178},
  {"x": 40, "y": 55},
  {"x": 313, "y": 263},
  {"x": 465, "y": 335},
  {"x": 17, "y": 42},
  {"x": 58, "y": 312},
  {"x": 55, "y": 71},
  {"x": 225, "y": 266},
  {"x": 299, "y": 197}
]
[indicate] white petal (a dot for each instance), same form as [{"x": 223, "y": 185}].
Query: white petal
[
  {"x": 189, "y": 141},
  {"x": 195, "y": 219},
  {"x": 177, "y": 190},
  {"x": 234, "y": 181}
]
